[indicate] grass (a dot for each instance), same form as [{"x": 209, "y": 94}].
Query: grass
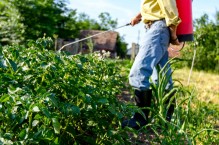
[
  {"x": 206, "y": 84},
  {"x": 205, "y": 104}
]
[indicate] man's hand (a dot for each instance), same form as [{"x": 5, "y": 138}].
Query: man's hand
[
  {"x": 136, "y": 19},
  {"x": 173, "y": 38}
]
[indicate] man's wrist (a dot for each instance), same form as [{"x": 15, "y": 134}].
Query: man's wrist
[{"x": 174, "y": 39}]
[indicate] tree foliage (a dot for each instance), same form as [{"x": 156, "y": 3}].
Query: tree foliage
[
  {"x": 84, "y": 22},
  {"x": 121, "y": 47},
  {"x": 22, "y": 20},
  {"x": 42, "y": 16},
  {"x": 11, "y": 27},
  {"x": 207, "y": 44},
  {"x": 106, "y": 21}
]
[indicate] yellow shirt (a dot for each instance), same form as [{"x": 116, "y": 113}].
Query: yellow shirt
[{"x": 159, "y": 9}]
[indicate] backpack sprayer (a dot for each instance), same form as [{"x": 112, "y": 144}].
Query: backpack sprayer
[{"x": 185, "y": 29}]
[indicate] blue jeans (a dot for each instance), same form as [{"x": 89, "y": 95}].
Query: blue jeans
[{"x": 153, "y": 52}]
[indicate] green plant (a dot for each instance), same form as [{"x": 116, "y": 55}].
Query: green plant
[
  {"x": 189, "y": 124},
  {"x": 49, "y": 97}
]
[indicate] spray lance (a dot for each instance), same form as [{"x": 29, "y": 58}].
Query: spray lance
[{"x": 93, "y": 36}]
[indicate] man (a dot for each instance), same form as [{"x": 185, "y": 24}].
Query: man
[{"x": 161, "y": 20}]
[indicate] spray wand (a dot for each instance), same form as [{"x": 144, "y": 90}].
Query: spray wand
[{"x": 92, "y": 36}]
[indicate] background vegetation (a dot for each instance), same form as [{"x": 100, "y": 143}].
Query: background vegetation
[
  {"x": 22, "y": 20},
  {"x": 206, "y": 34}
]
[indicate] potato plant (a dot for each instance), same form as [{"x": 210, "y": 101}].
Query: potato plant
[{"x": 50, "y": 97}]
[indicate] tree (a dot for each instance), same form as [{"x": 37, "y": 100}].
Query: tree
[
  {"x": 121, "y": 46},
  {"x": 69, "y": 28},
  {"x": 44, "y": 17},
  {"x": 84, "y": 22},
  {"x": 206, "y": 34},
  {"x": 11, "y": 27},
  {"x": 106, "y": 21}
]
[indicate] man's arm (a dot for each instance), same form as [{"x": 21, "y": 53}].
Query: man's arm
[
  {"x": 169, "y": 8},
  {"x": 136, "y": 19},
  {"x": 173, "y": 37}
]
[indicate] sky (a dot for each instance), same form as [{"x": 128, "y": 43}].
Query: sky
[{"x": 125, "y": 10}]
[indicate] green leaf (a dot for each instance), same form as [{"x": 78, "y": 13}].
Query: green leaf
[
  {"x": 53, "y": 99},
  {"x": 37, "y": 117},
  {"x": 112, "y": 109},
  {"x": 91, "y": 123},
  {"x": 46, "y": 112},
  {"x": 76, "y": 110},
  {"x": 4, "y": 98},
  {"x": 56, "y": 142},
  {"x": 103, "y": 101},
  {"x": 56, "y": 125},
  {"x": 8, "y": 136},
  {"x": 13, "y": 64},
  {"x": 27, "y": 77},
  {"x": 22, "y": 134},
  {"x": 48, "y": 134},
  {"x": 13, "y": 90}
]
